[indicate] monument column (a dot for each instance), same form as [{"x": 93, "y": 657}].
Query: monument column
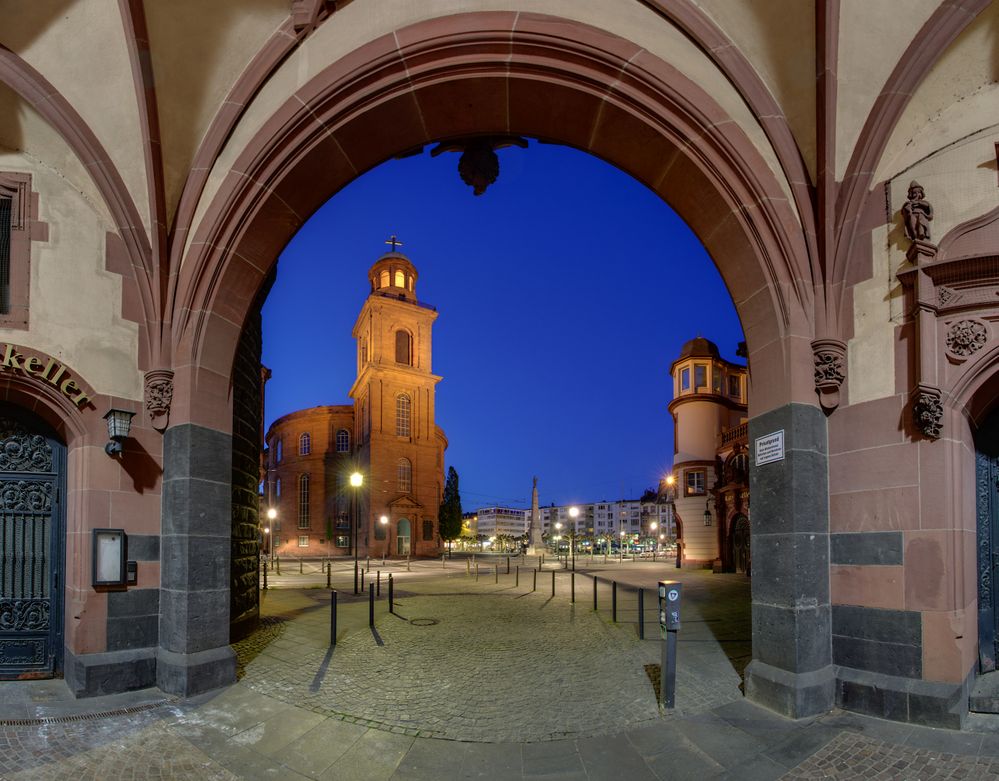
[{"x": 537, "y": 543}]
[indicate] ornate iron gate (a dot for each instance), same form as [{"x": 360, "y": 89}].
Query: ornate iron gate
[
  {"x": 987, "y": 527},
  {"x": 31, "y": 549}
]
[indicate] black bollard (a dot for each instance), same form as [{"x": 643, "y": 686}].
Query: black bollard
[
  {"x": 534, "y": 583},
  {"x": 378, "y": 583},
  {"x": 641, "y": 614},
  {"x": 362, "y": 580},
  {"x": 497, "y": 574},
  {"x": 507, "y": 565},
  {"x": 371, "y": 608},
  {"x": 329, "y": 577},
  {"x": 265, "y": 576},
  {"x": 594, "y": 592},
  {"x": 516, "y": 577},
  {"x": 332, "y": 618},
  {"x": 614, "y": 601},
  {"x": 476, "y": 573},
  {"x": 390, "y": 595},
  {"x": 572, "y": 581},
  {"x": 553, "y": 582}
]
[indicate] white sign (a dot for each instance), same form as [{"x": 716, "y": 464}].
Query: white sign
[
  {"x": 770, "y": 448},
  {"x": 673, "y": 594}
]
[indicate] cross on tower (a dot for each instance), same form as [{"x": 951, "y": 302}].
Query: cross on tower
[{"x": 392, "y": 240}]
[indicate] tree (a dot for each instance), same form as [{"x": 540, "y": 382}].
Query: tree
[{"x": 449, "y": 516}]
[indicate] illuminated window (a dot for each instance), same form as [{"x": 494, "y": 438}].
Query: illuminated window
[
  {"x": 403, "y": 348},
  {"x": 695, "y": 482},
  {"x": 734, "y": 386},
  {"x": 403, "y": 410},
  {"x": 303, "y": 541},
  {"x": 685, "y": 380},
  {"x": 303, "y": 502},
  {"x": 404, "y": 475},
  {"x": 342, "y": 441},
  {"x": 409, "y": 281},
  {"x": 400, "y": 279},
  {"x": 700, "y": 376},
  {"x": 383, "y": 279},
  {"x": 342, "y": 541},
  {"x": 304, "y": 444}
]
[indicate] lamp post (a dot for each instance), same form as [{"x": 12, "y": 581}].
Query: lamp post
[
  {"x": 356, "y": 481},
  {"x": 271, "y": 516},
  {"x": 621, "y": 546},
  {"x": 384, "y": 522},
  {"x": 652, "y": 527},
  {"x": 558, "y": 536},
  {"x": 574, "y": 514}
]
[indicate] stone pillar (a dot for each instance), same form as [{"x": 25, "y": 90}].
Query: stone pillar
[
  {"x": 792, "y": 671},
  {"x": 194, "y": 653}
]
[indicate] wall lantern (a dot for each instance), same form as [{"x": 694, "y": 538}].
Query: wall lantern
[
  {"x": 119, "y": 422},
  {"x": 109, "y": 554},
  {"x": 707, "y": 513}
]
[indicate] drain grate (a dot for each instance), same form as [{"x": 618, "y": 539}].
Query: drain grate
[
  {"x": 424, "y": 621},
  {"x": 83, "y": 716}
]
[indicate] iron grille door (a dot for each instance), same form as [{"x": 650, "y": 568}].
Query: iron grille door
[{"x": 30, "y": 551}]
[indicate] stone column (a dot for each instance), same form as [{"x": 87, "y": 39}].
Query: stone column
[
  {"x": 792, "y": 671},
  {"x": 194, "y": 653}
]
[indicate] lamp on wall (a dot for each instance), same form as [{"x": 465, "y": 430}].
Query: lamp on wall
[
  {"x": 119, "y": 423},
  {"x": 707, "y": 512}
]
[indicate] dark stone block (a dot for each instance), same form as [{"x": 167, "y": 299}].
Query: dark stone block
[
  {"x": 803, "y": 510},
  {"x": 902, "y": 699},
  {"x": 886, "y": 626},
  {"x": 197, "y": 452},
  {"x": 792, "y": 640},
  {"x": 144, "y": 547},
  {"x": 866, "y": 548},
  {"x": 804, "y": 428},
  {"x": 133, "y": 632},
  {"x": 134, "y": 602},
  {"x": 796, "y": 569},
  {"x": 191, "y": 562},
  {"x": 190, "y": 674},
  {"x": 793, "y": 695},
  {"x": 904, "y": 661},
  {"x": 199, "y": 506},
  {"x": 193, "y": 621},
  {"x": 91, "y": 675}
]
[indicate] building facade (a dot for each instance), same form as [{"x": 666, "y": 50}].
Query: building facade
[
  {"x": 709, "y": 410},
  {"x": 843, "y": 183},
  {"x": 387, "y": 435}
]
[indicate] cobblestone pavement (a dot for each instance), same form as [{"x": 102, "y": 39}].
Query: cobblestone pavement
[{"x": 533, "y": 686}]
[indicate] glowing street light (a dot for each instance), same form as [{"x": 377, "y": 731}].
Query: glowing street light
[
  {"x": 356, "y": 481},
  {"x": 574, "y": 514},
  {"x": 271, "y": 516}
]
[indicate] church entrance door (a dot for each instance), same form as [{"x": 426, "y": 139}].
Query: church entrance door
[
  {"x": 987, "y": 525},
  {"x": 740, "y": 544},
  {"x": 32, "y": 476},
  {"x": 402, "y": 538}
]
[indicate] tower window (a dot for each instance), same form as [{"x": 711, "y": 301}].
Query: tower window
[
  {"x": 342, "y": 441},
  {"x": 404, "y": 473},
  {"x": 734, "y": 388},
  {"x": 695, "y": 482},
  {"x": 400, "y": 279},
  {"x": 403, "y": 348},
  {"x": 700, "y": 376},
  {"x": 383, "y": 279},
  {"x": 403, "y": 411},
  {"x": 305, "y": 444},
  {"x": 685, "y": 380},
  {"x": 303, "y": 502}
]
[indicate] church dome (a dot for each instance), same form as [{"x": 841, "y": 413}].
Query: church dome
[
  {"x": 699, "y": 347},
  {"x": 393, "y": 274}
]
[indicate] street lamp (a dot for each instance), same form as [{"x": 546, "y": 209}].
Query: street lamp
[
  {"x": 384, "y": 522},
  {"x": 652, "y": 527},
  {"x": 356, "y": 481},
  {"x": 271, "y": 516},
  {"x": 558, "y": 529},
  {"x": 621, "y": 550},
  {"x": 574, "y": 514}
]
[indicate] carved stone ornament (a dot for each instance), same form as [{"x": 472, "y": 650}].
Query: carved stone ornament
[
  {"x": 829, "y": 356},
  {"x": 927, "y": 411},
  {"x": 159, "y": 397},
  {"x": 478, "y": 166},
  {"x": 966, "y": 337},
  {"x": 917, "y": 213}
]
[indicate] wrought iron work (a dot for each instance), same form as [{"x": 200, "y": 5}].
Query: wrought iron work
[
  {"x": 22, "y": 450},
  {"x": 987, "y": 526}
]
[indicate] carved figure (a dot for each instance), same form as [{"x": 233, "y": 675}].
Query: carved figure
[
  {"x": 927, "y": 412},
  {"x": 917, "y": 213}
]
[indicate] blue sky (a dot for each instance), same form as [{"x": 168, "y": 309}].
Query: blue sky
[{"x": 564, "y": 292}]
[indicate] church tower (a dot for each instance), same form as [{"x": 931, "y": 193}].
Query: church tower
[{"x": 400, "y": 449}]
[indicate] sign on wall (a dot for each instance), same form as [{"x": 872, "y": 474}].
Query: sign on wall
[
  {"x": 770, "y": 448},
  {"x": 19, "y": 360}
]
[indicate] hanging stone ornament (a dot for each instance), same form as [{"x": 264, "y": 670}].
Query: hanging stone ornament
[
  {"x": 966, "y": 337},
  {"x": 927, "y": 411},
  {"x": 829, "y": 356},
  {"x": 159, "y": 397},
  {"x": 478, "y": 166}
]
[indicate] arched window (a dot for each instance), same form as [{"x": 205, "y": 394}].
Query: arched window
[
  {"x": 403, "y": 410},
  {"x": 304, "y": 444},
  {"x": 277, "y": 488},
  {"x": 409, "y": 281},
  {"x": 403, "y": 348},
  {"x": 342, "y": 441},
  {"x": 278, "y": 451},
  {"x": 404, "y": 475},
  {"x": 400, "y": 279},
  {"x": 383, "y": 279},
  {"x": 303, "y": 502}
]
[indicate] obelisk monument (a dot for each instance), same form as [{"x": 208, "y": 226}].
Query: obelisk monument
[{"x": 537, "y": 544}]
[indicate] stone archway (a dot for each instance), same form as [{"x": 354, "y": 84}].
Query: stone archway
[{"x": 560, "y": 81}]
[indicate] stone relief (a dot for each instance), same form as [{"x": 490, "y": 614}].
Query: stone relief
[
  {"x": 927, "y": 412},
  {"x": 966, "y": 337},
  {"x": 829, "y": 357},
  {"x": 917, "y": 213},
  {"x": 159, "y": 397}
]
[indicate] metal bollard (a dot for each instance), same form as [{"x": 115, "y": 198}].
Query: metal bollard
[
  {"x": 390, "y": 596},
  {"x": 507, "y": 565},
  {"x": 572, "y": 582},
  {"x": 367, "y": 563},
  {"x": 496, "y": 568},
  {"x": 329, "y": 577},
  {"x": 301, "y": 570},
  {"x": 265, "y": 576},
  {"x": 371, "y": 608},
  {"x": 516, "y": 577},
  {"x": 641, "y": 614},
  {"x": 553, "y": 582},
  {"x": 378, "y": 583},
  {"x": 362, "y": 580},
  {"x": 594, "y": 592},
  {"x": 277, "y": 566},
  {"x": 614, "y": 601},
  {"x": 332, "y": 618},
  {"x": 476, "y": 573},
  {"x": 534, "y": 584}
]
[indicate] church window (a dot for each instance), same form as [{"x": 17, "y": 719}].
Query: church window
[
  {"x": 404, "y": 475},
  {"x": 403, "y": 348},
  {"x": 685, "y": 380},
  {"x": 400, "y": 279},
  {"x": 305, "y": 444},
  {"x": 700, "y": 376},
  {"x": 428, "y": 530},
  {"x": 403, "y": 410},
  {"x": 342, "y": 441},
  {"x": 303, "y": 502},
  {"x": 383, "y": 280},
  {"x": 409, "y": 281}
]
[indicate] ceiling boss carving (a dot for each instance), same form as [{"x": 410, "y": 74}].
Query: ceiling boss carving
[
  {"x": 159, "y": 397},
  {"x": 966, "y": 337},
  {"x": 829, "y": 356}
]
